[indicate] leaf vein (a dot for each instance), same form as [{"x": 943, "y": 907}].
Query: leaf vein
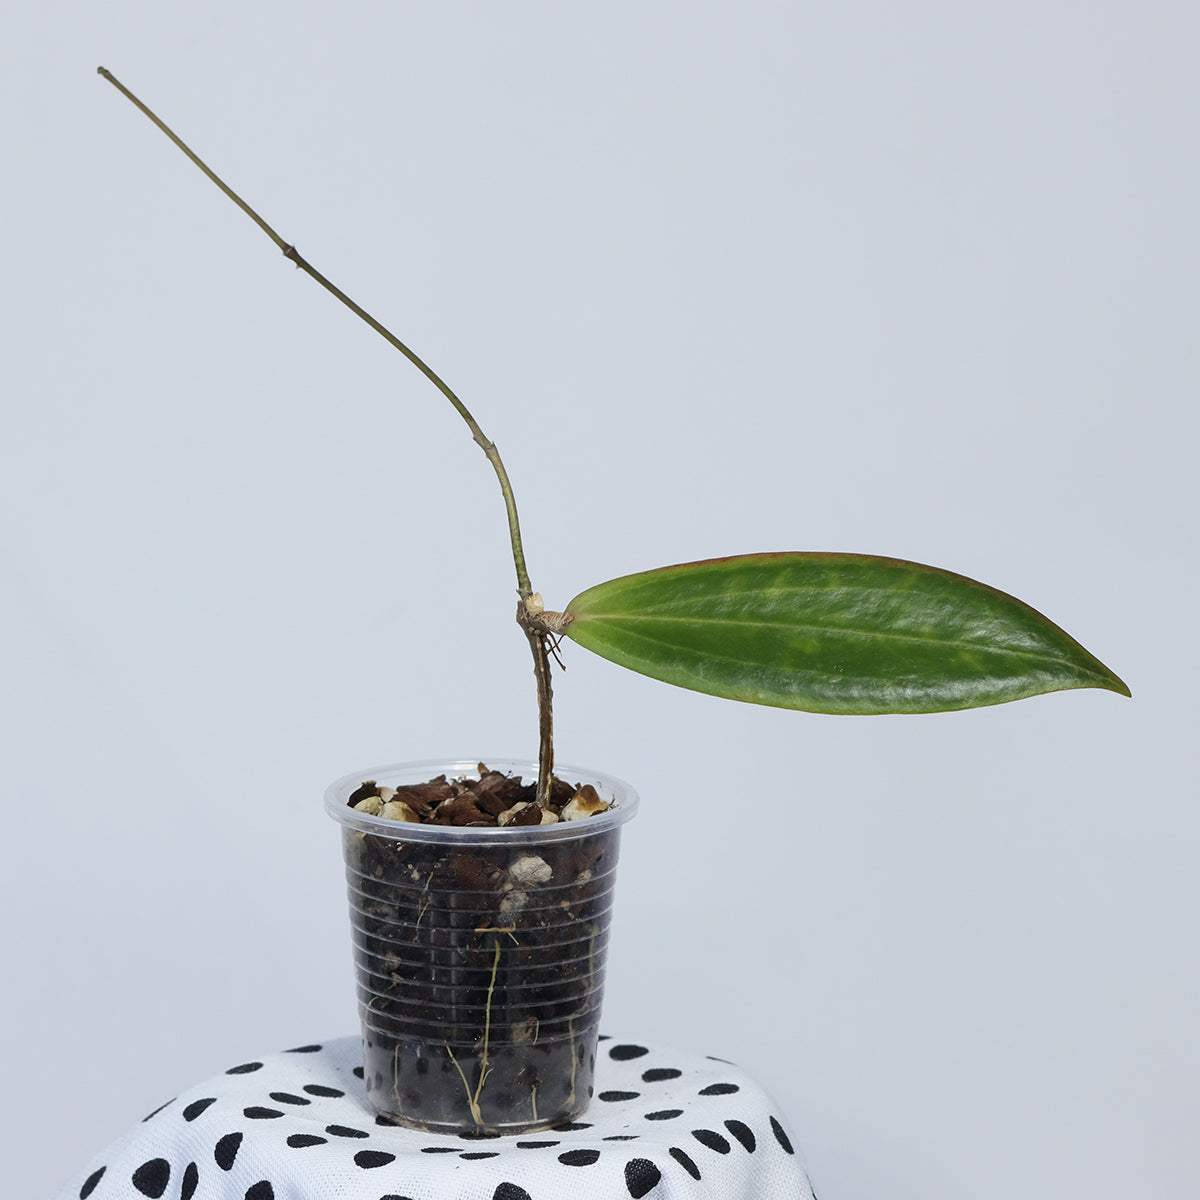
[{"x": 740, "y": 623}]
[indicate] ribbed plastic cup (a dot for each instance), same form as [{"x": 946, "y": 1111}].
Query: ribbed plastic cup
[{"x": 480, "y": 954}]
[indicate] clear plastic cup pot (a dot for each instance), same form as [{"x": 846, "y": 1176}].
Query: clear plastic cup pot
[{"x": 479, "y": 954}]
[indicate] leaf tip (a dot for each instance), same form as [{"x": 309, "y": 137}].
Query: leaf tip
[
  {"x": 1119, "y": 686},
  {"x": 1106, "y": 679}
]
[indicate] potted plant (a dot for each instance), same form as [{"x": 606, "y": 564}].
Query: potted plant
[{"x": 480, "y": 892}]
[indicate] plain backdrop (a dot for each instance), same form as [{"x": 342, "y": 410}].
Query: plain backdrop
[{"x": 915, "y": 279}]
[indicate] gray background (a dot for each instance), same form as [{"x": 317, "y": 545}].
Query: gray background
[{"x": 914, "y": 279}]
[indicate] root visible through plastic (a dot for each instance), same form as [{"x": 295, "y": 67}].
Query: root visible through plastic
[{"x": 484, "y": 1066}]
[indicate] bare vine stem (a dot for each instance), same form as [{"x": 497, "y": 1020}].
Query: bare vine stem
[{"x": 538, "y": 626}]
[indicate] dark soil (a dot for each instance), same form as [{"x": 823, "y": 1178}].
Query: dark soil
[
  {"x": 494, "y": 799},
  {"x": 480, "y": 967}
]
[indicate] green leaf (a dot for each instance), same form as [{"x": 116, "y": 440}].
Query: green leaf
[{"x": 832, "y": 633}]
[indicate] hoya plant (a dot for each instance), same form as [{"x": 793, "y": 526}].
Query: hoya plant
[{"x": 848, "y": 634}]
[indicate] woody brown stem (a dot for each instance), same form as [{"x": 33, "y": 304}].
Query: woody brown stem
[
  {"x": 536, "y": 630},
  {"x": 529, "y": 617}
]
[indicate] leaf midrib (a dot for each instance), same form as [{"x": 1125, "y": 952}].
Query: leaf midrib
[{"x": 890, "y": 634}]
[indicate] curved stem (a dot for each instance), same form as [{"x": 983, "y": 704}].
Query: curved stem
[
  {"x": 524, "y": 590},
  {"x": 536, "y": 636},
  {"x": 289, "y": 251}
]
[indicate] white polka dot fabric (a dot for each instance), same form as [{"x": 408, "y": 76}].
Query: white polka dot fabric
[{"x": 664, "y": 1125}]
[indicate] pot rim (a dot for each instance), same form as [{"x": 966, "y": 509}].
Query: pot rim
[{"x": 622, "y": 796}]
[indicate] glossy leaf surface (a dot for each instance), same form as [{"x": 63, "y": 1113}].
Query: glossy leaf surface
[{"x": 832, "y": 633}]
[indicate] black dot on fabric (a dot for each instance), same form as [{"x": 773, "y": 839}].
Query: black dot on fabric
[
  {"x": 152, "y": 1177},
  {"x": 393, "y": 1196},
  {"x": 358, "y": 1071},
  {"x": 535, "y": 1145},
  {"x": 578, "y": 1158},
  {"x": 714, "y": 1058},
  {"x": 714, "y": 1141},
  {"x": 665, "y": 1114},
  {"x": 319, "y": 1089},
  {"x": 473, "y": 1154},
  {"x": 658, "y": 1074},
  {"x": 641, "y": 1175},
  {"x": 262, "y": 1190},
  {"x": 622, "y": 1137},
  {"x": 685, "y": 1162},
  {"x": 510, "y": 1191},
  {"x": 225, "y": 1151},
  {"x": 301, "y": 1141},
  {"x": 439, "y": 1149},
  {"x": 345, "y": 1131},
  {"x": 288, "y": 1098},
  {"x": 196, "y": 1107},
  {"x": 373, "y": 1158},
  {"x": 743, "y": 1133},
  {"x": 613, "y": 1096},
  {"x": 244, "y": 1069},
  {"x": 89, "y": 1184},
  {"x": 624, "y": 1052},
  {"x": 719, "y": 1089},
  {"x": 567, "y": 1126},
  {"x": 257, "y": 1113},
  {"x": 781, "y": 1137},
  {"x": 191, "y": 1177},
  {"x": 303, "y": 1050},
  {"x": 157, "y": 1111}
]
